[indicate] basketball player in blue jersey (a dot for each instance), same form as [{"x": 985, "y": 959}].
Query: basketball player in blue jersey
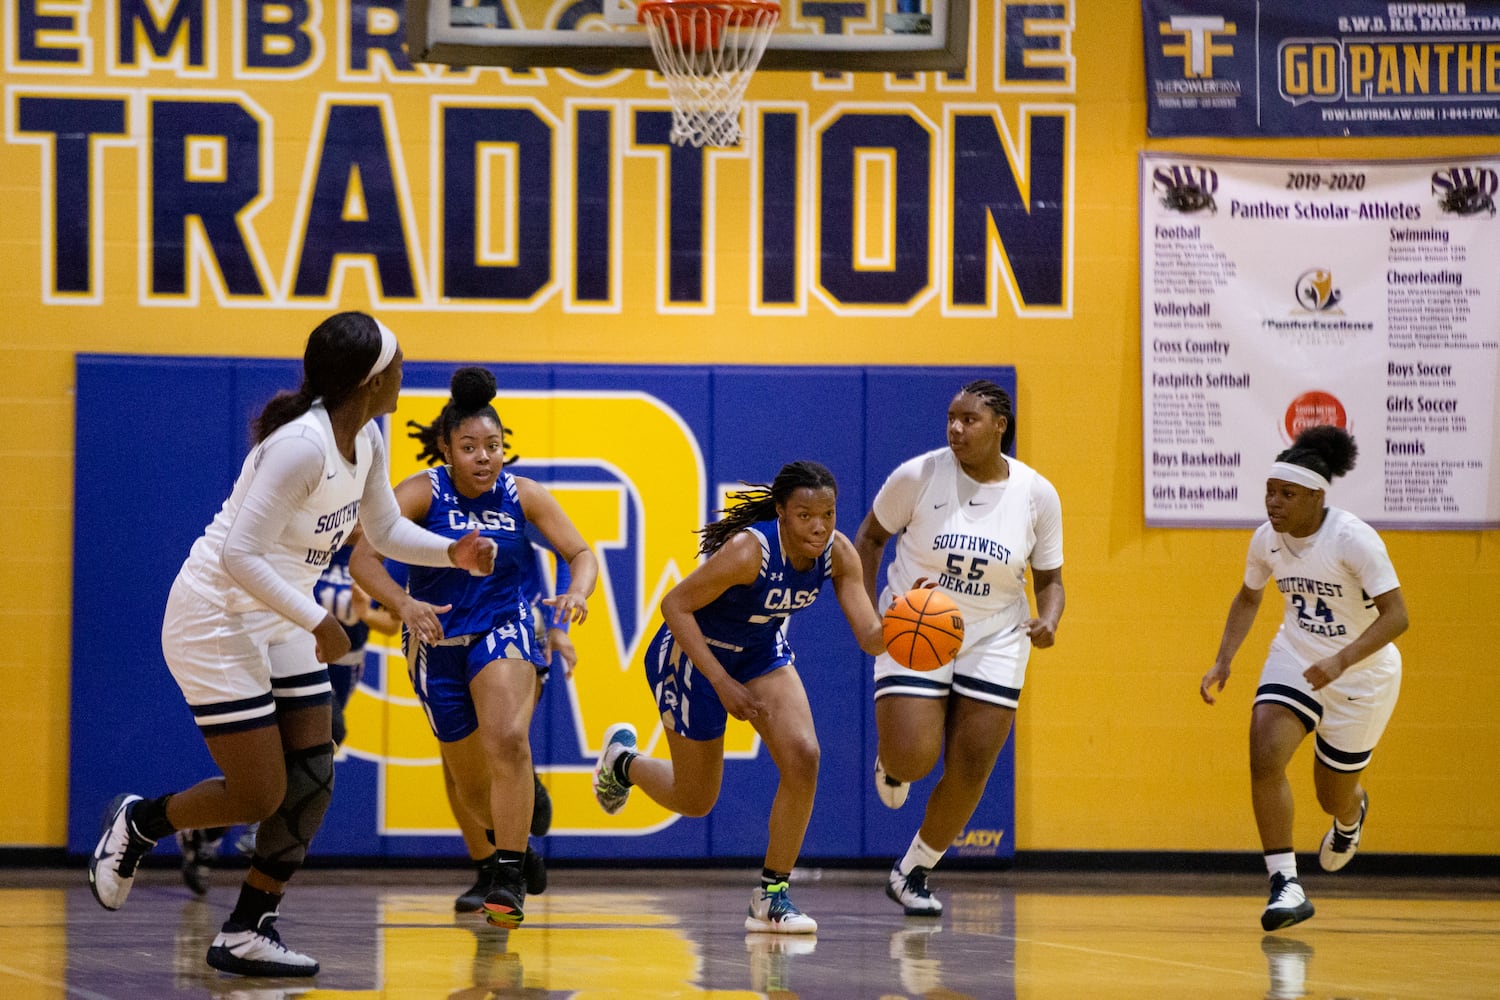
[
  {"x": 476, "y": 673},
  {"x": 970, "y": 520},
  {"x": 247, "y": 643},
  {"x": 723, "y": 651},
  {"x": 1331, "y": 670},
  {"x": 557, "y": 647}
]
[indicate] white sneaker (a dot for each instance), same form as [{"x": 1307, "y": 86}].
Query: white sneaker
[
  {"x": 910, "y": 890},
  {"x": 1338, "y": 848},
  {"x": 771, "y": 909},
  {"x": 120, "y": 849},
  {"x": 892, "y": 792},
  {"x": 1288, "y": 904},
  {"x": 611, "y": 793},
  {"x": 257, "y": 951}
]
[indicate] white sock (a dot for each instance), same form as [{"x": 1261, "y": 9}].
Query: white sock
[
  {"x": 918, "y": 854},
  {"x": 1284, "y": 863}
]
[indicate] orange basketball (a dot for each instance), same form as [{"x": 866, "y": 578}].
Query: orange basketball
[{"x": 923, "y": 629}]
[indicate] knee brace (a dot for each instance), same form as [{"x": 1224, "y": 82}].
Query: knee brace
[{"x": 282, "y": 841}]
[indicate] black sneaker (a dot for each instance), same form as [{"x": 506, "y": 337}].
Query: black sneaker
[
  {"x": 541, "y": 808},
  {"x": 534, "y": 872},
  {"x": 471, "y": 900},
  {"x": 199, "y": 849},
  {"x": 1288, "y": 904},
  {"x": 503, "y": 907},
  {"x": 120, "y": 849},
  {"x": 910, "y": 890},
  {"x": 1338, "y": 847},
  {"x": 257, "y": 951}
]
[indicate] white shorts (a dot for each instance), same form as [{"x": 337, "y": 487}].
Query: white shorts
[
  {"x": 1348, "y": 715},
  {"x": 992, "y": 670},
  {"x": 236, "y": 670}
]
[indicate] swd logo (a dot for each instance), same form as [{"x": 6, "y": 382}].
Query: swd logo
[
  {"x": 1315, "y": 291},
  {"x": 1186, "y": 188},
  {"x": 1196, "y": 40},
  {"x": 1465, "y": 190}
]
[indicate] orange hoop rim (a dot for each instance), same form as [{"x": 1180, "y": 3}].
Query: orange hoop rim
[{"x": 742, "y": 8}]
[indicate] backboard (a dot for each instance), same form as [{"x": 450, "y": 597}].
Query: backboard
[{"x": 890, "y": 36}]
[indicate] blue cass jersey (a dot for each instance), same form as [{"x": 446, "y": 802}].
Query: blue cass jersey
[
  {"x": 748, "y": 618},
  {"x": 746, "y": 628},
  {"x": 479, "y": 602}
]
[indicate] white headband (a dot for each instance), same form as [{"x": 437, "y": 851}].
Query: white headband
[
  {"x": 1299, "y": 474},
  {"x": 387, "y": 351}
]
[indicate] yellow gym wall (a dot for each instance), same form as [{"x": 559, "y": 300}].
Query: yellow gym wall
[{"x": 1114, "y": 749}]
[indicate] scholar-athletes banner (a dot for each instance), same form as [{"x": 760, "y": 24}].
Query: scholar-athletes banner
[
  {"x": 1289, "y": 67},
  {"x": 1279, "y": 294}
]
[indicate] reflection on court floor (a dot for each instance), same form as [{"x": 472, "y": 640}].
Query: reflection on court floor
[{"x": 667, "y": 933}]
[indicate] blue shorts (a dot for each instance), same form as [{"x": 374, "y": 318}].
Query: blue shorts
[
  {"x": 685, "y": 697},
  {"x": 441, "y": 674}
]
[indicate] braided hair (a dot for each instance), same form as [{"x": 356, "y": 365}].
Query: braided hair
[
  {"x": 759, "y": 502},
  {"x": 1327, "y": 450},
  {"x": 339, "y": 352},
  {"x": 472, "y": 389},
  {"x": 998, "y": 400}
]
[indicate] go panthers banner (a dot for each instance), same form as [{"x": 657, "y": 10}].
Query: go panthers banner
[
  {"x": 1276, "y": 295},
  {"x": 640, "y": 458},
  {"x": 1288, "y": 67}
]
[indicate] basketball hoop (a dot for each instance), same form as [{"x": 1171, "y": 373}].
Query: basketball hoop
[{"x": 708, "y": 50}]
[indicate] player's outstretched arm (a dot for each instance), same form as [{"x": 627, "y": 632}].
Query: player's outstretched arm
[{"x": 1241, "y": 616}]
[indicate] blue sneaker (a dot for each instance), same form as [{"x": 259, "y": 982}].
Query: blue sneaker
[
  {"x": 771, "y": 909},
  {"x": 609, "y": 790}
]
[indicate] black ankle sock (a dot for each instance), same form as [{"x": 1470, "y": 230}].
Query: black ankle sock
[
  {"x": 504, "y": 857},
  {"x": 622, "y": 768},
  {"x": 769, "y": 877},
  {"x": 148, "y": 817},
  {"x": 253, "y": 904}
]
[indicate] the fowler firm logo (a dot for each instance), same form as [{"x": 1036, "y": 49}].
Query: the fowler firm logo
[
  {"x": 1315, "y": 291},
  {"x": 1196, "y": 39},
  {"x": 1465, "y": 190},
  {"x": 1186, "y": 188}
]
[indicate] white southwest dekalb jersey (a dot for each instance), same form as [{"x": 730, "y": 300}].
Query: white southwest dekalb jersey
[
  {"x": 972, "y": 539},
  {"x": 315, "y": 530},
  {"x": 1328, "y": 579}
]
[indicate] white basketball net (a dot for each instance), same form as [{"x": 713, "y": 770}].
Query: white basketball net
[{"x": 708, "y": 50}]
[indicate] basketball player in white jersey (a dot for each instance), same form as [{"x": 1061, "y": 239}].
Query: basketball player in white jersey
[
  {"x": 1331, "y": 669},
  {"x": 248, "y": 645},
  {"x": 967, "y": 519}
]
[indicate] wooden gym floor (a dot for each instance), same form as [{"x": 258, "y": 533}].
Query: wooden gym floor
[{"x": 599, "y": 933}]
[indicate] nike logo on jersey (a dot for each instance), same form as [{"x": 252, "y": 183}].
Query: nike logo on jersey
[
  {"x": 976, "y": 503},
  {"x": 1275, "y": 550},
  {"x": 939, "y": 506},
  {"x": 332, "y": 474}
]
